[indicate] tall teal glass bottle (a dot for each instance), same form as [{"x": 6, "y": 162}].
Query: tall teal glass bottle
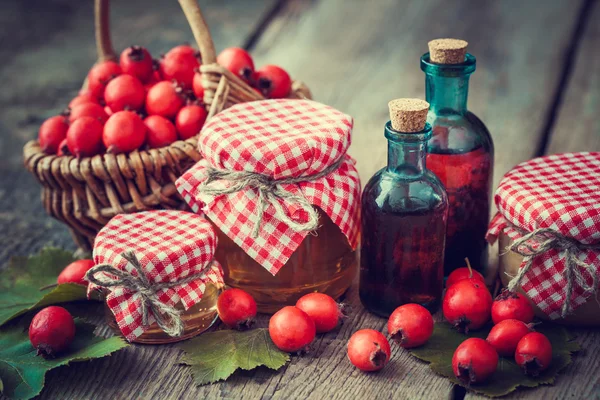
[
  {"x": 460, "y": 153},
  {"x": 404, "y": 212}
]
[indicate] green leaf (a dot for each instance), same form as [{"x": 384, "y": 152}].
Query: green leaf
[
  {"x": 20, "y": 283},
  {"x": 439, "y": 349},
  {"x": 22, "y": 372},
  {"x": 215, "y": 356}
]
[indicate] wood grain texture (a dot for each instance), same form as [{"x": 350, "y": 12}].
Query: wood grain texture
[
  {"x": 356, "y": 56},
  {"x": 577, "y": 127}
]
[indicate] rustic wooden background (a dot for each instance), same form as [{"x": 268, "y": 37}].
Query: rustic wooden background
[{"x": 537, "y": 87}]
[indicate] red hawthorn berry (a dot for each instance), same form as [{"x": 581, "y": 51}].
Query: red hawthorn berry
[
  {"x": 52, "y": 132},
  {"x": 463, "y": 273},
  {"x": 323, "y": 309},
  {"x": 510, "y": 305},
  {"x": 63, "y": 148},
  {"x": 236, "y": 309},
  {"x": 125, "y": 92},
  {"x": 100, "y": 75},
  {"x": 137, "y": 61},
  {"x": 410, "y": 325},
  {"x": 467, "y": 305},
  {"x": 161, "y": 131},
  {"x": 75, "y": 272},
  {"x": 180, "y": 64},
  {"x": 291, "y": 329},
  {"x": 124, "y": 132},
  {"x": 190, "y": 120},
  {"x": 88, "y": 110},
  {"x": 534, "y": 353},
  {"x": 474, "y": 361},
  {"x": 197, "y": 86},
  {"x": 51, "y": 331},
  {"x": 85, "y": 97},
  {"x": 164, "y": 99},
  {"x": 238, "y": 61},
  {"x": 368, "y": 350},
  {"x": 84, "y": 137},
  {"x": 273, "y": 82},
  {"x": 505, "y": 336}
]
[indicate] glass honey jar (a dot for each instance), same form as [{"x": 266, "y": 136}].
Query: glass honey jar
[
  {"x": 283, "y": 196},
  {"x": 157, "y": 275}
]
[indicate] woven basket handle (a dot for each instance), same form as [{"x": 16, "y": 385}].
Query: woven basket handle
[
  {"x": 104, "y": 47},
  {"x": 192, "y": 12}
]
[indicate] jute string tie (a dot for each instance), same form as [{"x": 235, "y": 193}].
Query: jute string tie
[
  {"x": 167, "y": 317},
  {"x": 270, "y": 191},
  {"x": 541, "y": 240}
]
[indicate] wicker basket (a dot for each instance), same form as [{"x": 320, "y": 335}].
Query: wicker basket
[{"x": 85, "y": 193}]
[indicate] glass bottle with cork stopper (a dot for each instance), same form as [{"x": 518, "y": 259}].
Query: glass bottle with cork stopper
[
  {"x": 404, "y": 212},
  {"x": 460, "y": 151}
]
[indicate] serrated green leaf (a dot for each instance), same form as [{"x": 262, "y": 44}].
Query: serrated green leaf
[
  {"x": 20, "y": 283},
  {"x": 439, "y": 349},
  {"x": 214, "y": 356},
  {"x": 22, "y": 371}
]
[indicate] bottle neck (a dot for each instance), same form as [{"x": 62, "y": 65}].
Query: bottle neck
[
  {"x": 447, "y": 94},
  {"x": 407, "y": 151}
]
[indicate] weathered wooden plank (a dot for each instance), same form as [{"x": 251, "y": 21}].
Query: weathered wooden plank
[{"x": 577, "y": 127}]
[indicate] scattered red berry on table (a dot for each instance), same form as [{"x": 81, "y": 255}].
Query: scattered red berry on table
[
  {"x": 322, "y": 309},
  {"x": 534, "y": 353},
  {"x": 75, "y": 272},
  {"x": 52, "y": 132},
  {"x": 291, "y": 329},
  {"x": 161, "y": 131},
  {"x": 236, "y": 309},
  {"x": 190, "y": 120},
  {"x": 273, "y": 82},
  {"x": 124, "y": 132},
  {"x": 506, "y": 335},
  {"x": 474, "y": 361},
  {"x": 368, "y": 350},
  {"x": 100, "y": 75},
  {"x": 85, "y": 97},
  {"x": 180, "y": 64},
  {"x": 88, "y": 110},
  {"x": 460, "y": 274},
  {"x": 137, "y": 61},
  {"x": 84, "y": 137},
  {"x": 467, "y": 305},
  {"x": 510, "y": 305},
  {"x": 125, "y": 92},
  {"x": 51, "y": 331},
  {"x": 197, "y": 86},
  {"x": 238, "y": 61},
  {"x": 410, "y": 325},
  {"x": 164, "y": 99}
]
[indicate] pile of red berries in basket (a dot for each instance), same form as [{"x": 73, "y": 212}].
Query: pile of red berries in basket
[{"x": 140, "y": 102}]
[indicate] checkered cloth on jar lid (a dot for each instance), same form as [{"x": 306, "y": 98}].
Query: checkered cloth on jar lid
[
  {"x": 175, "y": 250},
  {"x": 291, "y": 156},
  {"x": 550, "y": 208}
]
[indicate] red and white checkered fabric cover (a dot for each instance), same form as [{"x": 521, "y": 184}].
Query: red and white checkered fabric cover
[
  {"x": 560, "y": 192},
  {"x": 170, "y": 245},
  {"x": 279, "y": 138}
]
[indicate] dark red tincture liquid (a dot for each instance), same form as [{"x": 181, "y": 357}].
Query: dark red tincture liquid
[
  {"x": 401, "y": 257},
  {"x": 467, "y": 178}
]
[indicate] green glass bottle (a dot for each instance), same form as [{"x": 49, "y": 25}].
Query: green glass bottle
[{"x": 460, "y": 152}]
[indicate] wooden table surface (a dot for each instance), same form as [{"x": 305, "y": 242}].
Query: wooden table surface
[{"x": 537, "y": 87}]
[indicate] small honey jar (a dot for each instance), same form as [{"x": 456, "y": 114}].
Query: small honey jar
[
  {"x": 158, "y": 275},
  {"x": 282, "y": 193}
]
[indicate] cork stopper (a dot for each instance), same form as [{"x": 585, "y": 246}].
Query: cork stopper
[
  {"x": 447, "y": 51},
  {"x": 408, "y": 115}
]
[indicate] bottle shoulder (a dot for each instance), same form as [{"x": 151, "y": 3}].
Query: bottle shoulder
[
  {"x": 458, "y": 132},
  {"x": 388, "y": 190}
]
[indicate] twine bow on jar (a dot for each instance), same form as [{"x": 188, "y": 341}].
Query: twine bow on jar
[
  {"x": 536, "y": 243},
  {"x": 270, "y": 191},
  {"x": 168, "y": 318}
]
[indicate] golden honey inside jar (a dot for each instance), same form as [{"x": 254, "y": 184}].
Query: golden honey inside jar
[
  {"x": 196, "y": 320},
  {"x": 324, "y": 262}
]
